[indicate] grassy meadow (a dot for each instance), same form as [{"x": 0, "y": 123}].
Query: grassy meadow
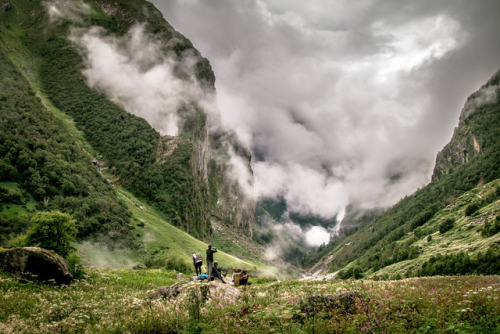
[{"x": 117, "y": 301}]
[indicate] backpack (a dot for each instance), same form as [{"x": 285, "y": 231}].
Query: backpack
[{"x": 198, "y": 258}]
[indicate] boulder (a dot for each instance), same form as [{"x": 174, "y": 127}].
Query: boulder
[{"x": 35, "y": 262}]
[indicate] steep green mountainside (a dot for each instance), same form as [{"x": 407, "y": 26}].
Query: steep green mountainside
[
  {"x": 43, "y": 167},
  {"x": 469, "y": 164},
  {"x": 182, "y": 177}
]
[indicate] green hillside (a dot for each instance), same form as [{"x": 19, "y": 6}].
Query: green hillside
[
  {"x": 66, "y": 147},
  {"x": 394, "y": 241},
  {"x": 173, "y": 175},
  {"x": 125, "y": 144},
  {"x": 160, "y": 242},
  {"x": 462, "y": 238},
  {"x": 44, "y": 167}
]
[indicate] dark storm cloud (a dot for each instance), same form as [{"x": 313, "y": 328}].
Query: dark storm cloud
[{"x": 344, "y": 102}]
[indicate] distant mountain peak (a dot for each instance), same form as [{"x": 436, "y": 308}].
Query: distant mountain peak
[
  {"x": 488, "y": 93},
  {"x": 468, "y": 138}
]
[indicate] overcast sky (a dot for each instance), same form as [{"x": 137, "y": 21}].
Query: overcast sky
[{"x": 342, "y": 101}]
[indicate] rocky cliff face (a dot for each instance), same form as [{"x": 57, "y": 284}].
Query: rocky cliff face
[
  {"x": 467, "y": 141},
  {"x": 218, "y": 194}
]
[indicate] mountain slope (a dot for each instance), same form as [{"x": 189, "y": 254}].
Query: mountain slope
[
  {"x": 46, "y": 163},
  {"x": 159, "y": 242},
  {"x": 396, "y": 235},
  {"x": 184, "y": 176}
]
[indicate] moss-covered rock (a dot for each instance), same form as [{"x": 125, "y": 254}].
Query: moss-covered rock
[{"x": 35, "y": 262}]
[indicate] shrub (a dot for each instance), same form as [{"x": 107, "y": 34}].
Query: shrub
[
  {"x": 446, "y": 225},
  {"x": 354, "y": 272},
  {"x": 75, "y": 266},
  {"x": 471, "y": 208},
  {"x": 170, "y": 263},
  {"x": 19, "y": 241},
  {"x": 52, "y": 230},
  {"x": 176, "y": 263},
  {"x": 491, "y": 228},
  {"x": 487, "y": 263}
]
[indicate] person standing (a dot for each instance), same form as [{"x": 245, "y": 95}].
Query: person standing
[
  {"x": 197, "y": 262},
  {"x": 210, "y": 261}
]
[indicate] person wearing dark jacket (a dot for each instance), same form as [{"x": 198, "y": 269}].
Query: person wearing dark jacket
[
  {"x": 210, "y": 261},
  {"x": 217, "y": 271}
]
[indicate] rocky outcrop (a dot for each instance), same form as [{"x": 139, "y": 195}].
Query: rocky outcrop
[
  {"x": 463, "y": 147},
  {"x": 467, "y": 140},
  {"x": 35, "y": 262}
]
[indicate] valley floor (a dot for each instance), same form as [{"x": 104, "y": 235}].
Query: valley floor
[{"x": 112, "y": 301}]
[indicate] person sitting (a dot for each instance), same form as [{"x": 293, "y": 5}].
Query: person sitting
[
  {"x": 237, "y": 272},
  {"x": 217, "y": 272},
  {"x": 244, "y": 278}
]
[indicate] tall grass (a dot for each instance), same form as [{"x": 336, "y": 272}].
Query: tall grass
[{"x": 112, "y": 301}]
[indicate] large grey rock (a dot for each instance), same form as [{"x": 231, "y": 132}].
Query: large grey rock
[{"x": 35, "y": 262}]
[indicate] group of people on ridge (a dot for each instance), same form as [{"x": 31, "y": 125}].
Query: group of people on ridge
[{"x": 213, "y": 269}]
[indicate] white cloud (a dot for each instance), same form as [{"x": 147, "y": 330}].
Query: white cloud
[
  {"x": 66, "y": 10},
  {"x": 332, "y": 96},
  {"x": 317, "y": 236},
  {"x": 134, "y": 73},
  {"x": 408, "y": 46},
  {"x": 340, "y": 102}
]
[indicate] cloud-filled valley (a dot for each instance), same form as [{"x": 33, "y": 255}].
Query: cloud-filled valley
[{"x": 339, "y": 102}]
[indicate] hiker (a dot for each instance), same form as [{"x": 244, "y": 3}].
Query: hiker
[
  {"x": 236, "y": 272},
  {"x": 197, "y": 262},
  {"x": 217, "y": 272},
  {"x": 210, "y": 260},
  {"x": 244, "y": 278}
]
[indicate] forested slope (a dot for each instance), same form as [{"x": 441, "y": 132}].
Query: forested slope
[
  {"x": 175, "y": 174},
  {"x": 41, "y": 161}
]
